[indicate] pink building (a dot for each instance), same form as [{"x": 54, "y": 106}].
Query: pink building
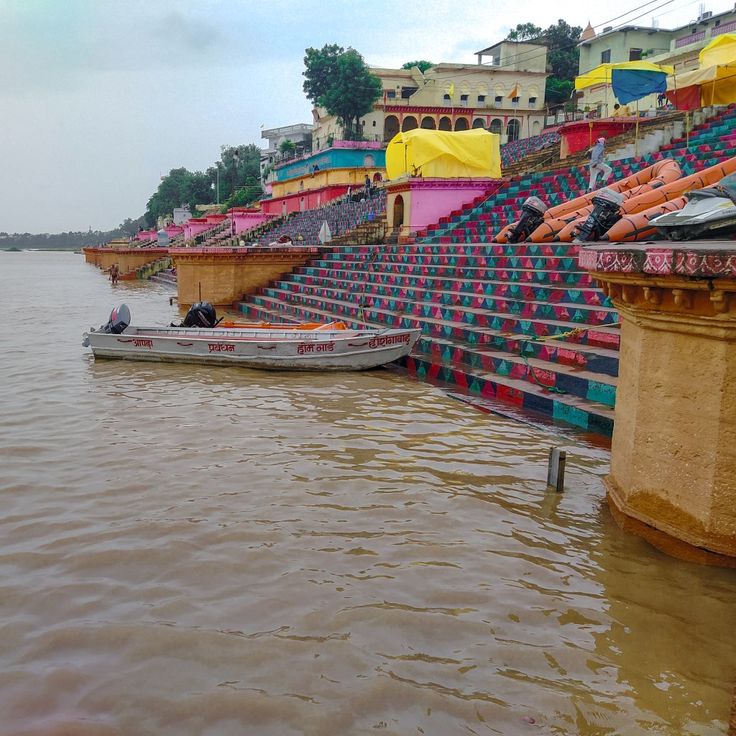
[
  {"x": 144, "y": 236},
  {"x": 246, "y": 218},
  {"x": 414, "y": 203}
]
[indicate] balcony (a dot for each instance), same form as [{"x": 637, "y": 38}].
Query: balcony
[
  {"x": 687, "y": 40},
  {"x": 725, "y": 28}
]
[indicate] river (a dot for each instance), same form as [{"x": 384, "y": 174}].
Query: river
[{"x": 187, "y": 550}]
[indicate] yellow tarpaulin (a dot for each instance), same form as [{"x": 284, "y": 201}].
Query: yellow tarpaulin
[
  {"x": 444, "y": 155},
  {"x": 716, "y": 76},
  {"x": 602, "y": 73},
  {"x": 721, "y": 50}
]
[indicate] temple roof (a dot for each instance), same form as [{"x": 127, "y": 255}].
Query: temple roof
[{"x": 587, "y": 33}]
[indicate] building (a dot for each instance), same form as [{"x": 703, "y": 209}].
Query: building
[
  {"x": 678, "y": 47},
  {"x": 181, "y": 215},
  {"x": 315, "y": 179},
  {"x": 504, "y": 95},
  {"x": 300, "y": 134}
]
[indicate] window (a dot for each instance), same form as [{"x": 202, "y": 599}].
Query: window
[
  {"x": 512, "y": 130},
  {"x": 606, "y": 56},
  {"x": 514, "y": 100},
  {"x": 532, "y": 101},
  {"x": 498, "y": 99},
  {"x": 634, "y": 54},
  {"x": 391, "y": 94},
  {"x": 407, "y": 92},
  {"x": 446, "y": 97},
  {"x": 464, "y": 98},
  {"x": 481, "y": 98}
]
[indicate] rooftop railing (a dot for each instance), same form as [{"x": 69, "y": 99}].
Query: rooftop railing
[
  {"x": 687, "y": 40},
  {"x": 729, "y": 27}
]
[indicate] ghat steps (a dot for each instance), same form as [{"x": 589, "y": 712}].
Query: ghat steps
[{"x": 519, "y": 324}]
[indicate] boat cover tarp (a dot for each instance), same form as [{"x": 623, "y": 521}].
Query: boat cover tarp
[
  {"x": 603, "y": 72},
  {"x": 444, "y": 154}
]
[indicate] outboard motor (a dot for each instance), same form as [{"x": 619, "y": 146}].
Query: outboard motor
[
  {"x": 532, "y": 214},
  {"x": 606, "y": 212},
  {"x": 200, "y": 314},
  {"x": 119, "y": 320}
]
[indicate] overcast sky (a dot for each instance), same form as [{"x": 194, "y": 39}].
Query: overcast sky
[{"x": 100, "y": 98}]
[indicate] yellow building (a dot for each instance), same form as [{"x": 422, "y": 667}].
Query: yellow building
[{"x": 504, "y": 95}]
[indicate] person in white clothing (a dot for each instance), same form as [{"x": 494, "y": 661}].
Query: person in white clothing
[{"x": 598, "y": 164}]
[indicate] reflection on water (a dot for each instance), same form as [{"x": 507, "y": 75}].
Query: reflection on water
[{"x": 221, "y": 551}]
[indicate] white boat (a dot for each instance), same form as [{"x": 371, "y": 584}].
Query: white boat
[{"x": 254, "y": 347}]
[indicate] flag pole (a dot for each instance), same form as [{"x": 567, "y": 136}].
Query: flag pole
[{"x": 636, "y": 132}]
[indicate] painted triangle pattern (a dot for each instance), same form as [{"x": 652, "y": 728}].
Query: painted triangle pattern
[{"x": 496, "y": 320}]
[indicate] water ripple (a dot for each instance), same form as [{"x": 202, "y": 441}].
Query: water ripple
[{"x": 187, "y": 550}]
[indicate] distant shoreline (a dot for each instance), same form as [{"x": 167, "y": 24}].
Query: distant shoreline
[{"x": 14, "y": 249}]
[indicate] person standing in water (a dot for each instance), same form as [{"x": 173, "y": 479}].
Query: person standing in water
[{"x": 114, "y": 273}]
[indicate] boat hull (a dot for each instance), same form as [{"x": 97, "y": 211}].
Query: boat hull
[{"x": 275, "y": 350}]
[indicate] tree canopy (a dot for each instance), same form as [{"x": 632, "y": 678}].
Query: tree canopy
[
  {"x": 287, "y": 147},
  {"x": 423, "y": 65},
  {"x": 524, "y": 32},
  {"x": 561, "y": 40},
  {"x": 239, "y": 183},
  {"x": 320, "y": 70},
  {"x": 59, "y": 241},
  {"x": 339, "y": 80}
]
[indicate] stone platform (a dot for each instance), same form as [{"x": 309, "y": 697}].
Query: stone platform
[
  {"x": 223, "y": 275},
  {"x": 673, "y": 461}
]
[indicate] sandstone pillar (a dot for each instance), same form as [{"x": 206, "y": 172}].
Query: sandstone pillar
[{"x": 673, "y": 455}]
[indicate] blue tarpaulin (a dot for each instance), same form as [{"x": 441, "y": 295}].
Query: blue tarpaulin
[{"x": 633, "y": 84}]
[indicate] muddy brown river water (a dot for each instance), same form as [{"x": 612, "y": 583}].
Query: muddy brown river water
[{"x": 222, "y": 552}]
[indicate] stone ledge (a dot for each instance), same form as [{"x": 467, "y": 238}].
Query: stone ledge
[
  {"x": 697, "y": 258},
  {"x": 708, "y": 299},
  {"x": 244, "y": 251}
]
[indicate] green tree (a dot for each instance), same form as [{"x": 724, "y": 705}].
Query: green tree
[
  {"x": 340, "y": 81},
  {"x": 239, "y": 172},
  {"x": 287, "y": 147},
  {"x": 236, "y": 164},
  {"x": 561, "y": 40},
  {"x": 179, "y": 187},
  {"x": 558, "y": 91},
  {"x": 423, "y": 65},
  {"x": 131, "y": 227},
  {"x": 249, "y": 193},
  {"x": 563, "y": 54},
  {"x": 320, "y": 69},
  {"x": 524, "y": 32}
]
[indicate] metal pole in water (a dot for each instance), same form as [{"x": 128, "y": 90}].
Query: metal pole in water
[{"x": 556, "y": 469}]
